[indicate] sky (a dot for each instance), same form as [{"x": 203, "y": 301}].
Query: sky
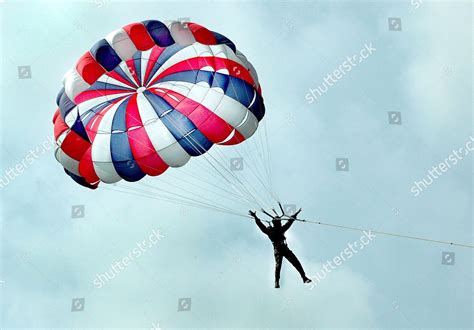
[{"x": 219, "y": 262}]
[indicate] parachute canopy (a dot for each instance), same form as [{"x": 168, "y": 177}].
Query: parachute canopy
[{"x": 148, "y": 97}]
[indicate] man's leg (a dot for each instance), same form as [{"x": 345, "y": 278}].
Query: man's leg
[
  {"x": 290, "y": 256},
  {"x": 278, "y": 259}
]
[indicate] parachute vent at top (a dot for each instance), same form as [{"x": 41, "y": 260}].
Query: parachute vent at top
[{"x": 148, "y": 97}]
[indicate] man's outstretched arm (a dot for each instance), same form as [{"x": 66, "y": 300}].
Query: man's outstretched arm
[
  {"x": 296, "y": 213},
  {"x": 259, "y": 223},
  {"x": 287, "y": 225}
]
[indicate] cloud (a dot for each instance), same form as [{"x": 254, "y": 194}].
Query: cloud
[{"x": 439, "y": 71}]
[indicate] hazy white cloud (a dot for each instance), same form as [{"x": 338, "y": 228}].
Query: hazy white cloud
[{"x": 439, "y": 69}]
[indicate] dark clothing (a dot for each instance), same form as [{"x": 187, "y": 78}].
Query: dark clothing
[
  {"x": 290, "y": 256},
  {"x": 276, "y": 234},
  {"x": 280, "y": 248}
]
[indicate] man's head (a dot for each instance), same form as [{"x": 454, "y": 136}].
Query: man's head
[{"x": 276, "y": 222}]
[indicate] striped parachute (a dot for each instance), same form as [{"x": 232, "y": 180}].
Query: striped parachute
[{"x": 150, "y": 96}]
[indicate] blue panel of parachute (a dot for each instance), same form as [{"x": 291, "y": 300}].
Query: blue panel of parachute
[
  {"x": 105, "y": 55},
  {"x": 79, "y": 128},
  {"x": 100, "y": 85},
  {"x": 87, "y": 116},
  {"x": 183, "y": 130},
  {"x": 64, "y": 103},
  {"x": 159, "y": 33},
  {"x": 235, "y": 88},
  {"x": 122, "y": 157},
  {"x": 137, "y": 63},
  {"x": 167, "y": 53},
  {"x": 223, "y": 40}
]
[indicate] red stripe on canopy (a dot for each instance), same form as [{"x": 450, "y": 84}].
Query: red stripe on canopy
[
  {"x": 201, "y": 34},
  {"x": 197, "y": 63},
  {"x": 118, "y": 77},
  {"x": 154, "y": 55},
  {"x": 86, "y": 168},
  {"x": 139, "y": 36},
  {"x": 74, "y": 145},
  {"x": 236, "y": 139},
  {"x": 92, "y": 94},
  {"x": 142, "y": 149},
  {"x": 59, "y": 125},
  {"x": 207, "y": 122},
  {"x": 89, "y": 69}
]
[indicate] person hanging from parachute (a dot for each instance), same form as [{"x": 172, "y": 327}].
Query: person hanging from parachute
[
  {"x": 276, "y": 233},
  {"x": 151, "y": 95}
]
